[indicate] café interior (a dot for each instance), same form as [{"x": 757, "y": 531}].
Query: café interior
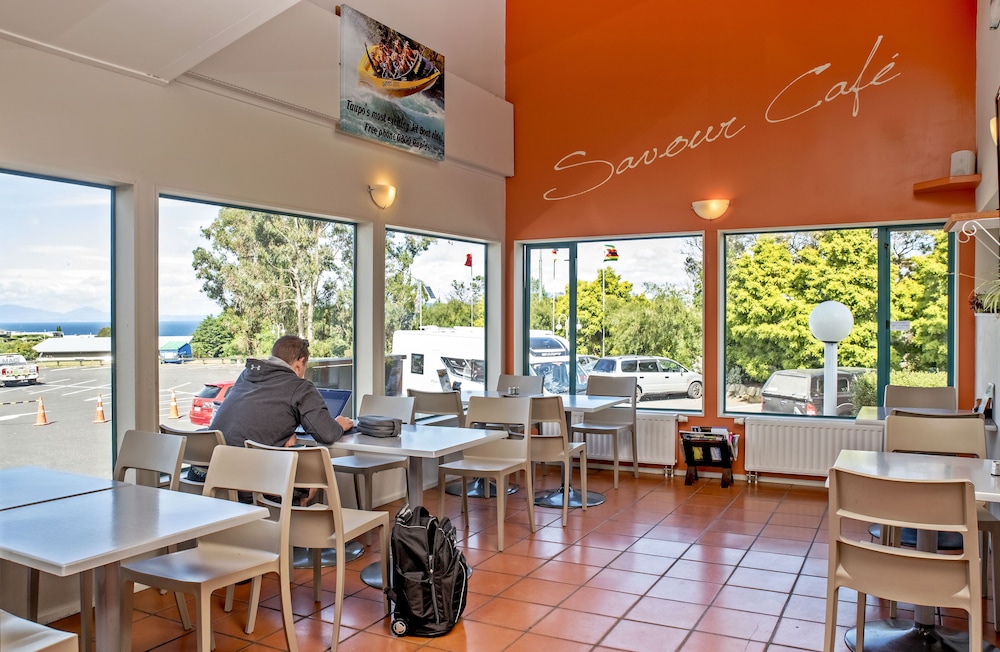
[{"x": 567, "y": 123}]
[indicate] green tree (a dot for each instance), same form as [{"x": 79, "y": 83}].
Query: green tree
[
  {"x": 400, "y": 287},
  {"x": 211, "y": 338},
  {"x": 104, "y": 332}
]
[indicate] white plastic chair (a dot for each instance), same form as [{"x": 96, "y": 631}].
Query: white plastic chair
[
  {"x": 197, "y": 452},
  {"x": 233, "y": 555},
  {"x": 328, "y": 524},
  {"x": 525, "y": 384},
  {"x": 366, "y": 465},
  {"x": 614, "y": 421},
  {"x": 438, "y": 403},
  {"x": 139, "y": 451},
  {"x": 947, "y": 580},
  {"x": 21, "y": 635},
  {"x": 495, "y": 460},
  {"x": 901, "y": 396},
  {"x": 557, "y": 448}
]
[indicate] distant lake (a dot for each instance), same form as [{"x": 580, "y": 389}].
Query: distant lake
[{"x": 167, "y": 328}]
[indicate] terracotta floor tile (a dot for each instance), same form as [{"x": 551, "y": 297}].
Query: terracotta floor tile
[
  {"x": 567, "y": 573},
  {"x": 598, "y": 601},
  {"x": 651, "y": 564},
  {"x": 539, "y": 591},
  {"x": 641, "y": 637},
  {"x": 616, "y": 580},
  {"x": 738, "y": 624},
  {"x": 567, "y": 624},
  {"x": 685, "y": 590},
  {"x": 510, "y": 613},
  {"x": 704, "y": 642},
  {"x": 657, "y": 611}
]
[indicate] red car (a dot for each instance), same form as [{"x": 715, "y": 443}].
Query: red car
[{"x": 204, "y": 402}]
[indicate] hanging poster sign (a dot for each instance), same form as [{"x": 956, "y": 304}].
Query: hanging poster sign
[{"x": 391, "y": 87}]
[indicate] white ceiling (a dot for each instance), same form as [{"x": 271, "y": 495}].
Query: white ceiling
[{"x": 147, "y": 39}]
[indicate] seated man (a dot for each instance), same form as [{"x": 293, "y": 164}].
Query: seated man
[{"x": 271, "y": 398}]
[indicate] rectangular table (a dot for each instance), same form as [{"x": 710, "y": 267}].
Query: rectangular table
[
  {"x": 870, "y": 415},
  {"x": 27, "y": 485},
  {"x": 418, "y": 442},
  {"x": 98, "y": 530}
]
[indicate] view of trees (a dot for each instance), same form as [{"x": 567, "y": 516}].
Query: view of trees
[
  {"x": 775, "y": 280},
  {"x": 275, "y": 274}
]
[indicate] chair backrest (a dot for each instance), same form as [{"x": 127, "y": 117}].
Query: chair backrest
[
  {"x": 151, "y": 451},
  {"x": 525, "y": 384},
  {"x": 906, "y": 433},
  {"x": 500, "y": 411},
  {"x": 311, "y": 526},
  {"x": 232, "y": 470},
  {"x": 613, "y": 386},
  {"x": 549, "y": 409},
  {"x": 200, "y": 444},
  {"x": 438, "y": 403},
  {"x": 399, "y": 407},
  {"x": 933, "y": 578},
  {"x": 899, "y": 396}
]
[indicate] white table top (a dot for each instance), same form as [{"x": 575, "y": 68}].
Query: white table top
[
  {"x": 914, "y": 466},
  {"x": 587, "y": 403},
  {"x": 78, "y": 533},
  {"x": 420, "y": 441},
  {"x": 27, "y": 485}
]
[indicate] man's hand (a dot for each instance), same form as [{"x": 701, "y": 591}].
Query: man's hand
[{"x": 344, "y": 422}]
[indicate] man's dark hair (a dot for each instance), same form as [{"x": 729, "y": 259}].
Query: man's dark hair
[{"x": 290, "y": 348}]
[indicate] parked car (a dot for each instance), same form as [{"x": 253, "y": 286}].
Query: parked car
[
  {"x": 800, "y": 391},
  {"x": 15, "y": 369},
  {"x": 653, "y": 375},
  {"x": 204, "y": 402}
]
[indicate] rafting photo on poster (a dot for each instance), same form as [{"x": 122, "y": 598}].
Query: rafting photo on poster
[{"x": 391, "y": 87}]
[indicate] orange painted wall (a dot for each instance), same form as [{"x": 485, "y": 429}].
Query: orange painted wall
[{"x": 801, "y": 113}]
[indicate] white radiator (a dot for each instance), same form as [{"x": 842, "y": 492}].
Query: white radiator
[
  {"x": 656, "y": 439},
  {"x": 803, "y": 446}
]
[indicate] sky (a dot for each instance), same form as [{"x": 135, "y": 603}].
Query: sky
[{"x": 57, "y": 252}]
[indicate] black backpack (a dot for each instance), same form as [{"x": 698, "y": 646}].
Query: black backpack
[{"x": 429, "y": 579}]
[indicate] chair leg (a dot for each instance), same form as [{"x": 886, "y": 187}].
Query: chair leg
[
  {"x": 287, "y": 618},
  {"x": 614, "y": 449},
  {"x": 860, "y": 622},
  {"x": 384, "y": 541},
  {"x": 316, "y": 557},
  {"x": 357, "y": 492},
  {"x": 338, "y": 604},
  {"x": 583, "y": 476},
  {"x": 203, "y": 604},
  {"x": 501, "y": 481},
  {"x": 991, "y": 549},
  {"x": 33, "y": 579},
  {"x": 125, "y": 606},
  {"x": 182, "y": 609},
  {"x": 441, "y": 480},
  {"x": 254, "y": 603},
  {"x": 635, "y": 457},
  {"x": 529, "y": 486}
]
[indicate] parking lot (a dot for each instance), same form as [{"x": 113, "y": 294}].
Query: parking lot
[{"x": 72, "y": 440}]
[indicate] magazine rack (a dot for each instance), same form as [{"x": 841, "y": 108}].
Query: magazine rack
[{"x": 708, "y": 450}]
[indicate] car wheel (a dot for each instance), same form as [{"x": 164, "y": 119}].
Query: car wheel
[
  {"x": 32, "y": 381},
  {"x": 639, "y": 393},
  {"x": 694, "y": 390}
]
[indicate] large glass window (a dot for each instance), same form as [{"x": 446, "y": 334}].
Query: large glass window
[
  {"x": 233, "y": 280},
  {"x": 895, "y": 281},
  {"x": 55, "y": 325},
  {"x": 621, "y": 307},
  {"x": 434, "y": 313}
]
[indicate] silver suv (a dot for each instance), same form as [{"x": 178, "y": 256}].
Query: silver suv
[{"x": 652, "y": 375}]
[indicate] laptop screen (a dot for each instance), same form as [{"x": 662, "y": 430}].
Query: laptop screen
[{"x": 336, "y": 400}]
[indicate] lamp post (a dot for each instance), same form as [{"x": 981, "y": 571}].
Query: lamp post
[{"x": 830, "y": 322}]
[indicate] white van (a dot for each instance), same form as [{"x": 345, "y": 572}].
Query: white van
[{"x": 437, "y": 358}]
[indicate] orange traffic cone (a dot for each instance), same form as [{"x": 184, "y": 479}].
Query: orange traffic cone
[
  {"x": 174, "y": 413},
  {"x": 99, "y": 417},
  {"x": 40, "y": 420}
]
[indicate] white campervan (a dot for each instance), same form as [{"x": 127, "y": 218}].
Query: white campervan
[{"x": 436, "y": 358}]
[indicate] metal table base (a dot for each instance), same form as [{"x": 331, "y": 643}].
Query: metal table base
[
  {"x": 352, "y": 549},
  {"x": 477, "y": 488},
  {"x": 554, "y": 498},
  {"x": 906, "y": 635}
]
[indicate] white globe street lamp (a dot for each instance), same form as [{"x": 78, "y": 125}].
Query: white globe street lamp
[{"x": 830, "y": 322}]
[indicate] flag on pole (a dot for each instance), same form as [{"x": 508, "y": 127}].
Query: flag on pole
[
  {"x": 610, "y": 253},
  {"x": 468, "y": 260}
]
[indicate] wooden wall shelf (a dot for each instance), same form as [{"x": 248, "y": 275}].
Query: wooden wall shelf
[
  {"x": 986, "y": 219},
  {"x": 965, "y": 182}
]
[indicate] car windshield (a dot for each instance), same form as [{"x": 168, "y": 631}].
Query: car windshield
[
  {"x": 556, "y": 375},
  {"x": 605, "y": 365}
]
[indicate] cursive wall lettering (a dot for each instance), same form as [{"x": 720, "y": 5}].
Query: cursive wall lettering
[{"x": 605, "y": 170}]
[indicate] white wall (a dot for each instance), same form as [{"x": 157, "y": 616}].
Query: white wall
[{"x": 266, "y": 138}]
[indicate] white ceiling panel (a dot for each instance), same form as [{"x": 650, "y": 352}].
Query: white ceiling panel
[{"x": 147, "y": 39}]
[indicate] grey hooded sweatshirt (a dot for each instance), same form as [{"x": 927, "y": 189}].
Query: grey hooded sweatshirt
[{"x": 267, "y": 403}]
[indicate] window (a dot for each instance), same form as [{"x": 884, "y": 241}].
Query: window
[
  {"x": 894, "y": 280},
  {"x": 434, "y": 309},
  {"x": 232, "y": 280},
  {"x": 615, "y": 300},
  {"x": 55, "y": 284}
]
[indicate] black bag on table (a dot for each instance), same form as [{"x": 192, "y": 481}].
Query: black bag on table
[
  {"x": 379, "y": 426},
  {"x": 429, "y": 574}
]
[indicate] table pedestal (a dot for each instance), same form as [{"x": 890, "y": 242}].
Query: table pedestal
[
  {"x": 554, "y": 498},
  {"x": 328, "y": 558},
  {"x": 905, "y": 635},
  {"x": 478, "y": 488}
]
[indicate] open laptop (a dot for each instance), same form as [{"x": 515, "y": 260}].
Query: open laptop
[{"x": 336, "y": 400}]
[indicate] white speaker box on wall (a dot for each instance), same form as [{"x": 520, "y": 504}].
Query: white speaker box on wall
[{"x": 963, "y": 162}]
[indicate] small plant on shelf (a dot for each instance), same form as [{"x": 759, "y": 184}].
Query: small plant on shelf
[{"x": 987, "y": 298}]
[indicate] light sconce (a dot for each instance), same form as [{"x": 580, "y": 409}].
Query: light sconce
[
  {"x": 383, "y": 195},
  {"x": 710, "y": 209}
]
